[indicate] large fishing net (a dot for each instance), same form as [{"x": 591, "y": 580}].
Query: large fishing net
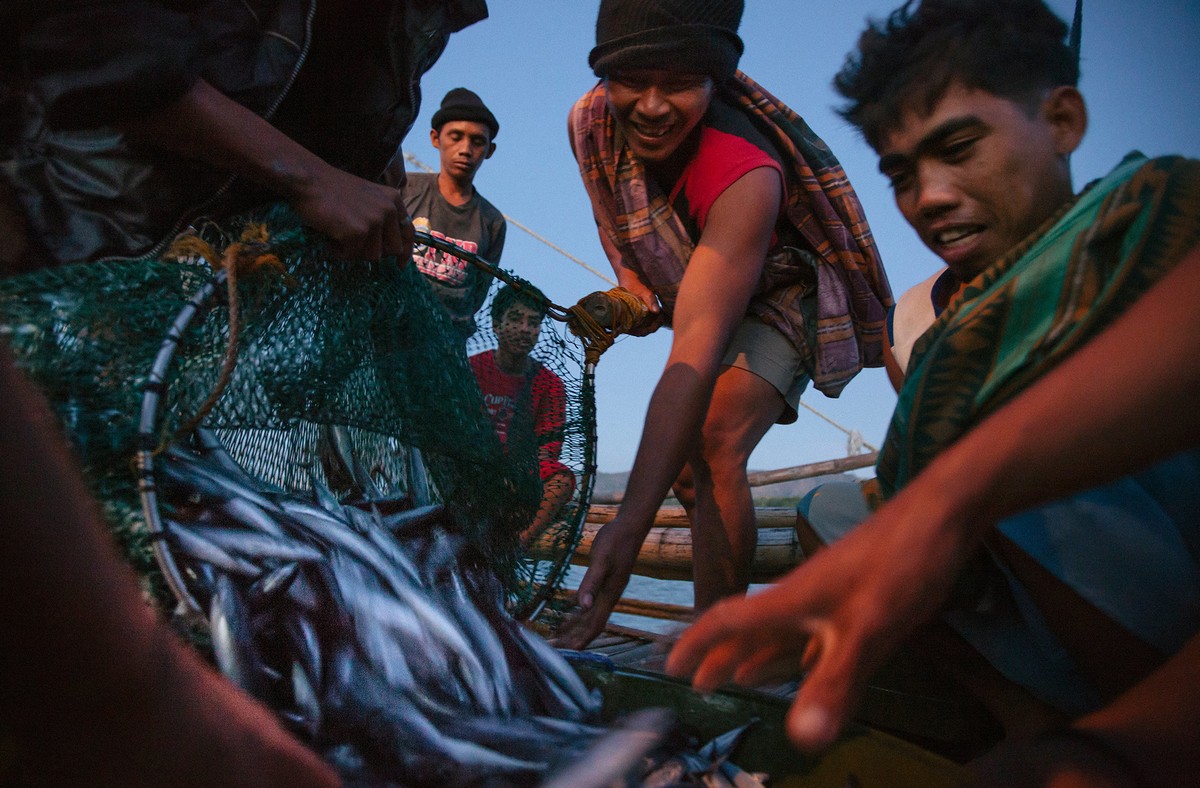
[
  {"x": 346, "y": 376},
  {"x": 303, "y": 457}
]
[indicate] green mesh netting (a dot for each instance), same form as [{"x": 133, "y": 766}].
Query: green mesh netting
[
  {"x": 329, "y": 354},
  {"x": 548, "y": 450}
]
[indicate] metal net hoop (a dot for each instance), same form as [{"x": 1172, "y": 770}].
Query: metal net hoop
[{"x": 407, "y": 449}]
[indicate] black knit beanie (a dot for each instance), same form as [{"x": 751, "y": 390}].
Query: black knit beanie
[
  {"x": 462, "y": 104},
  {"x": 697, "y": 36}
]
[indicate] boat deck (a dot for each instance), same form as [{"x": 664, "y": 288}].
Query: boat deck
[
  {"x": 910, "y": 697},
  {"x": 907, "y": 698},
  {"x": 631, "y": 648}
]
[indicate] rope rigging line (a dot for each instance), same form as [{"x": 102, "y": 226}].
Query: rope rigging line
[
  {"x": 425, "y": 167},
  {"x": 849, "y": 432}
]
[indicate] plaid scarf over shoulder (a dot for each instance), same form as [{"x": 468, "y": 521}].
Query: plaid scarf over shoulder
[{"x": 838, "y": 325}]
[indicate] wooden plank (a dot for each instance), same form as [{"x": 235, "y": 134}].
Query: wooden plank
[
  {"x": 652, "y": 609},
  {"x": 763, "y": 478},
  {"x": 666, "y": 553},
  {"x": 607, "y": 640},
  {"x": 639, "y": 607},
  {"x": 640, "y": 654},
  {"x": 620, "y": 653},
  {"x": 632, "y": 632},
  {"x": 823, "y": 468},
  {"x": 676, "y": 516}
]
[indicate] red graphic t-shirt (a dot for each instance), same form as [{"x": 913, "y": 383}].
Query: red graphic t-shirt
[{"x": 547, "y": 398}]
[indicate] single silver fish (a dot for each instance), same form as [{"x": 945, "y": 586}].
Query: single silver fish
[
  {"x": 259, "y": 546},
  {"x": 233, "y": 640},
  {"x": 250, "y": 514},
  {"x": 419, "y": 517},
  {"x": 201, "y": 549},
  {"x": 419, "y": 486},
  {"x": 346, "y": 461},
  {"x": 325, "y": 497},
  {"x": 618, "y": 753},
  {"x": 209, "y": 480},
  {"x": 306, "y": 648},
  {"x": 210, "y": 447},
  {"x": 272, "y": 586},
  {"x": 720, "y": 747}
]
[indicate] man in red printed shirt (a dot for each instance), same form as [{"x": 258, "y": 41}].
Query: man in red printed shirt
[{"x": 526, "y": 402}]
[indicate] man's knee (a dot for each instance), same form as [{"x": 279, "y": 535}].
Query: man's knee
[
  {"x": 724, "y": 449},
  {"x": 684, "y": 487}
]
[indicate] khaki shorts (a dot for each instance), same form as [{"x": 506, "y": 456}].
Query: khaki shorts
[{"x": 760, "y": 349}]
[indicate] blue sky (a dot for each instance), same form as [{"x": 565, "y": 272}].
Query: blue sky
[{"x": 528, "y": 61}]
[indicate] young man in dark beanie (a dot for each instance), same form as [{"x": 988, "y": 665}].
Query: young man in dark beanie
[
  {"x": 722, "y": 211},
  {"x": 448, "y": 206}
]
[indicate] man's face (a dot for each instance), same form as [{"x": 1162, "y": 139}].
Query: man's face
[
  {"x": 462, "y": 146},
  {"x": 978, "y": 174},
  {"x": 518, "y": 329},
  {"x": 656, "y": 109}
]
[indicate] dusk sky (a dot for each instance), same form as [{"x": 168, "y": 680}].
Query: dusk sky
[{"x": 528, "y": 61}]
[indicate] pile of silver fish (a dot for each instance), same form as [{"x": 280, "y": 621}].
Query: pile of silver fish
[{"x": 380, "y": 644}]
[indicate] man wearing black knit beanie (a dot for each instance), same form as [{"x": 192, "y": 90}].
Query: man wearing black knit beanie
[
  {"x": 721, "y": 211},
  {"x": 700, "y": 35},
  {"x": 448, "y": 205}
]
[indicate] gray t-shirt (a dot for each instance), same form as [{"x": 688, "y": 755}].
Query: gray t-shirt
[{"x": 476, "y": 226}]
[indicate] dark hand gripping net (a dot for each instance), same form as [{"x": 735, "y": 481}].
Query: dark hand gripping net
[{"x": 347, "y": 375}]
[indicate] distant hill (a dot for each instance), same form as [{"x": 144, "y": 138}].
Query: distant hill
[{"x": 609, "y": 484}]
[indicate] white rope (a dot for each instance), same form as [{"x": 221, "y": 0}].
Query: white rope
[
  {"x": 855, "y": 440},
  {"x": 417, "y": 162},
  {"x": 854, "y": 436}
]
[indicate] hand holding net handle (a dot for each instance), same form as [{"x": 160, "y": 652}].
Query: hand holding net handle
[{"x": 597, "y": 319}]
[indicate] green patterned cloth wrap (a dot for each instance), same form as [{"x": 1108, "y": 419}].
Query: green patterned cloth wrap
[
  {"x": 321, "y": 342},
  {"x": 1023, "y": 315}
]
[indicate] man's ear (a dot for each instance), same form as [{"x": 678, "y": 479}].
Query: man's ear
[
  {"x": 433, "y": 138},
  {"x": 1066, "y": 112},
  {"x": 491, "y": 150}
]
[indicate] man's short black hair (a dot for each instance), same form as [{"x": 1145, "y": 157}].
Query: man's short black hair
[
  {"x": 1015, "y": 49},
  {"x": 525, "y": 294}
]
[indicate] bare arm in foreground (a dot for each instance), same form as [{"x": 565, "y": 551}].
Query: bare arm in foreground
[
  {"x": 94, "y": 689},
  {"x": 842, "y": 613},
  {"x": 365, "y": 220},
  {"x": 1149, "y": 736}
]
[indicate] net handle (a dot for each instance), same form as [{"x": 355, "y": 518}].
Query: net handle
[
  {"x": 596, "y": 338},
  {"x": 441, "y": 244}
]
